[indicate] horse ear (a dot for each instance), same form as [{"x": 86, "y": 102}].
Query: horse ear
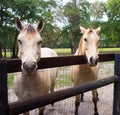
[
  {"x": 82, "y": 29},
  {"x": 19, "y": 25},
  {"x": 97, "y": 30},
  {"x": 40, "y": 26}
]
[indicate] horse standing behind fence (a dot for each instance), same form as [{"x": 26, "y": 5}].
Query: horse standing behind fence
[
  {"x": 32, "y": 82},
  {"x": 81, "y": 74}
]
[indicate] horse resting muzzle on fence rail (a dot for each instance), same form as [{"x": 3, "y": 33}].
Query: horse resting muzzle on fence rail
[
  {"x": 31, "y": 82},
  {"x": 81, "y": 74}
]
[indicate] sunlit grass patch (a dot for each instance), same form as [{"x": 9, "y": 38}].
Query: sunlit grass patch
[
  {"x": 109, "y": 49},
  {"x": 10, "y": 80}
]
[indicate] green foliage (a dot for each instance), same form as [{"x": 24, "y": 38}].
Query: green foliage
[
  {"x": 66, "y": 33},
  {"x": 113, "y": 9},
  {"x": 30, "y": 11},
  {"x": 97, "y": 10},
  {"x": 77, "y": 13},
  {"x": 112, "y": 26}
]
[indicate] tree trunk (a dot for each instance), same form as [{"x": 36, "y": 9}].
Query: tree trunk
[
  {"x": 14, "y": 51},
  {"x": 75, "y": 45},
  {"x": 1, "y": 56}
]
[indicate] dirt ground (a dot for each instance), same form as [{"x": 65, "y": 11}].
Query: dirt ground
[{"x": 66, "y": 107}]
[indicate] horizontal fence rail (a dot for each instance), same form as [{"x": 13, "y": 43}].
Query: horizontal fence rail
[
  {"x": 29, "y": 104},
  {"x": 56, "y": 62}
]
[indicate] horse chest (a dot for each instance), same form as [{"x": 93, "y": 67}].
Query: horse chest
[
  {"x": 30, "y": 88},
  {"x": 85, "y": 74}
]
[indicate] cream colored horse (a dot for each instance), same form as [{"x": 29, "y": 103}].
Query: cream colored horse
[
  {"x": 82, "y": 74},
  {"x": 32, "y": 82}
]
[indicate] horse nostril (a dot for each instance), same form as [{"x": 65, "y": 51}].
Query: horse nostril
[
  {"x": 33, "y": 65},
  {"x": 91, "y": 59},
  {"x": 24, "y": 65}
]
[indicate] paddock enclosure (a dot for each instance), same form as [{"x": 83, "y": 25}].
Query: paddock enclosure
[{"x": 109, "y": 96}]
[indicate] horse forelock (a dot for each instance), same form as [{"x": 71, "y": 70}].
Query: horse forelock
[
  {"x": 30, "y": 29},
  {"x": 90, "y": 30}
]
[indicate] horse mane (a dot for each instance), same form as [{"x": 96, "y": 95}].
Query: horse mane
[{"x": 80, "y": 47}]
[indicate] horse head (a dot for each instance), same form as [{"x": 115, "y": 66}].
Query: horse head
[
  {"x": 29, "y": 44},
  {"x": 89, "y": 44}
]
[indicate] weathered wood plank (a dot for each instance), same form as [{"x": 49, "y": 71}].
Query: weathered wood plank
[
  {"x": 14, "y": 65},
  {"x": 4, "y": 109},
  {"x": 116, "y": 103}
]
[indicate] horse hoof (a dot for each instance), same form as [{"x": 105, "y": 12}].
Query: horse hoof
[
  {"x": 76, "y": 112},
  {"x": 96, "y": 113}
]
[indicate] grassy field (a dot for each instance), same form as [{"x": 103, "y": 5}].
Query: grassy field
[
  {"x": 67, "y": 51},
  {"x": 102, "y": 50}
]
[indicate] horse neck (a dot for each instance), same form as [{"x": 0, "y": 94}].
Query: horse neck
[{"x": 29, "y": 78}]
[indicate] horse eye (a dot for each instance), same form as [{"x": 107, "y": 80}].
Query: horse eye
[
  {"x": 85, "y": 39},
  {"x": 20, "y": 42},
  {"x": 39, "y": 42}
]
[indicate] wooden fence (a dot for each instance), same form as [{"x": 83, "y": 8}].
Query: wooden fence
[{"x": 14, "y": 108}]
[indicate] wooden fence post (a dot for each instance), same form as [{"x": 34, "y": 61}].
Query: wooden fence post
[
  {"x": 4, "y": 108},
  {"x": 116, "y": 102}
]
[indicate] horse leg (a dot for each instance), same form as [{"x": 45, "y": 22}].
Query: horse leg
[
  {"x": 41, "y": 110},
  {"x": 52, "y": 90},
  {"x": 77, "y": 103},
  {"x": 94, "y": 94},
  {"x": 97, "y": 97},
  {"x": 81, "y": 99}
]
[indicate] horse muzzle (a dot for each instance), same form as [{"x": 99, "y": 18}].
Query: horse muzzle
[
  {"x": 93, "y": 61},
  {"x": 29, "y": 68}
]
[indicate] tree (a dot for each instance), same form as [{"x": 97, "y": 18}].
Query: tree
[
  {"x": 97, "y": 10},
  {"x": 32, "y": 11},
  {"x": 113, "y": 13},
  {"x": 77, "y": 13},
  {"x": 5, "y": 16}
]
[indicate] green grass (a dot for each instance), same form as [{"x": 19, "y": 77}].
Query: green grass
[
  {"x": 68, "y": 50},
  {"x": 8, "y": 54},
  {"x": 10, "y": 80},
  {"x": 63, "y": 50},
  {"x": 63, "y": 80},
  {"x": 109, "y": 49}
]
